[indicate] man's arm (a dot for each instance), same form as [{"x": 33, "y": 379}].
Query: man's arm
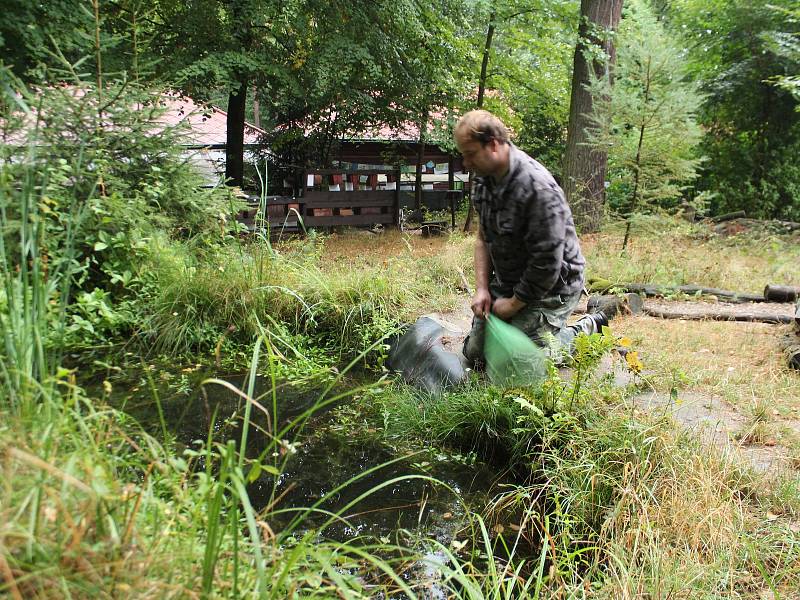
[{"x": 482, "y": 299}]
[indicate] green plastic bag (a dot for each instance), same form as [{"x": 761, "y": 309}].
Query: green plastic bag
[{"x": 512, "y": 359}]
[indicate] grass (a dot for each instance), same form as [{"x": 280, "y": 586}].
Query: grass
[
  {"x": 606, "y": 504},
  {"x": 92, "y": 506},
  {"x": 672, "y": 253},
  {"x": 305, "y": 287},
  {"x": 739, "y": 363},
  {"x": 621, "y": 507}
]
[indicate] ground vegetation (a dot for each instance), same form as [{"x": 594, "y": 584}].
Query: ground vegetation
[{"x": 127, "y": 286}]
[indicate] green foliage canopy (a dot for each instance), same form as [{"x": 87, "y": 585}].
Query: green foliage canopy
[
  {"x": 752, "y": 130},
  {"x": 646, "y": 120}
]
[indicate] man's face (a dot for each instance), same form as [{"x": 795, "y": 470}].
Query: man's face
[{"x": 483, "y": 159}]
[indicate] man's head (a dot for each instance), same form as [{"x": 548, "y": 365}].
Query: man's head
[{"x": 482, "y": 140}]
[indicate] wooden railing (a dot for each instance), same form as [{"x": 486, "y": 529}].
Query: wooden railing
[
  {"x": 323, "y": 207},
  {"x": 283, "y": 214},
  {"x": 319, "y": 206}
]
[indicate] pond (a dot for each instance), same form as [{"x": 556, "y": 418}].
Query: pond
[{"x": 428, "y": 495}]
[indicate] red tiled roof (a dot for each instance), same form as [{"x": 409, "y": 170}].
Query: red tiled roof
[
  {"x": 407, "y": 131},
  {"x": 207, "y": 124}
]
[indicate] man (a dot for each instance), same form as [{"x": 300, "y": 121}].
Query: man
[{"x": 529, "y": 269}]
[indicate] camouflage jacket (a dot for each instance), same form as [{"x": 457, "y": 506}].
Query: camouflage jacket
[{"x": 528, "y": 229}]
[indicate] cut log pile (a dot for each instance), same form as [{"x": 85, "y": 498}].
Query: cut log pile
[
  {"x": 737, "y": 222},
  {"x": 772, "y": 293}
]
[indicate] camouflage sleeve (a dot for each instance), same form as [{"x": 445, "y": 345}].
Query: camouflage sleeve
[{"x": 544, "y": 243}]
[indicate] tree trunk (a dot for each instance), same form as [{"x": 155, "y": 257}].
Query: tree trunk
[
  {"x": 487, "y": 47},
  {"x": 423, "y": 126},
  {"x": 584, "y": 167},
  {"x": 637, "y": 164},
  {"x": 256, "y": 109},
  {"x": 234, "y": 141}
]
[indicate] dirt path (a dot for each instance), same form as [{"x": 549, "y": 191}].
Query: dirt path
[{"x": 711, "y": 418}]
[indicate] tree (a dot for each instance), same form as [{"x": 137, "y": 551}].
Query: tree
[
  {"x": 38, "y": 39},
  {"x": 585, "y": 166},
  {"x": 646, "y": 121},
  {"x": 526, "y": 46},
  {"x": 208, "y": 45},
  {"x": 752, "y": 130},
  {"x": 32, "y": 32},
  {"x": 787, "y": 44}
]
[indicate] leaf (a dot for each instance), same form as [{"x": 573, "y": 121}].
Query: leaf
[
  {"x": 458, "y": 546},
  {"x": 254, "y": 473},
  {"x": 100, "y": 246}
]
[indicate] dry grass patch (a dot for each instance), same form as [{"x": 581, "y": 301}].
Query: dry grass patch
[
  {"x": 738, "y": 362},
  {"x": 696, "y": 530},
  {"x": 691, "y": 255},
  {"x": 370, "y": 248}
]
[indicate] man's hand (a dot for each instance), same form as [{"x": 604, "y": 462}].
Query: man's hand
[
  {"x": 481, "y": 303},
  {"x": 506, "y": 308}
]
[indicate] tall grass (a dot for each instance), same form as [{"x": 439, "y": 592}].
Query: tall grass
[
  {"x": 618, "y": 505},
  {"x": 343, "y": 310},
  {"x": 36, "y": 286},
  {"x": 90, "y": 504},
  {"x": 670, "y": 252}
]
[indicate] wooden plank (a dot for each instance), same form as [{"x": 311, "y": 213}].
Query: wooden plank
[
  {"x": 287, "y": 202},
  {"x": 356, "y": 198},
  {"x": 350, "y": 172},
  {"x": 348, "y": 220},
  {"x": 350, "y": 204},
  {"x": 251, "y": 223}
]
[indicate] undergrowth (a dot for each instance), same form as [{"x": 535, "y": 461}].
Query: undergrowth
[{"x": 621, "y": 505}]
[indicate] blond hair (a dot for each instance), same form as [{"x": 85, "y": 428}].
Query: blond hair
[{"x": 481, "y": 126}]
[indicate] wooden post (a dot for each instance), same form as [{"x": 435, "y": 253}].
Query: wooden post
[
  {"x": 451, "y": 192},
  {"x": 396, "y": 207},
  {"x": 451, "y": 175},
  {"x": 797, "y": 317}
]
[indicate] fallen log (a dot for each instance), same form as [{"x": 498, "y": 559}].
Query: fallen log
[
  {"x": 602, "y": 285},
  {"x": 781, "y": 293},
  {"x": 719, "y": 316},
  {"x": 790, "y": 345},
  {"x": 789, "y": 225},
  {"x": 626, "y": 304},
  {"x": 739, "y": 214},
  {"x": 727, "y": 295}
]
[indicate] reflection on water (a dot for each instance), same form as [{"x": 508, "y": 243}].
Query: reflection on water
[{"x": 322, "y": 456}]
